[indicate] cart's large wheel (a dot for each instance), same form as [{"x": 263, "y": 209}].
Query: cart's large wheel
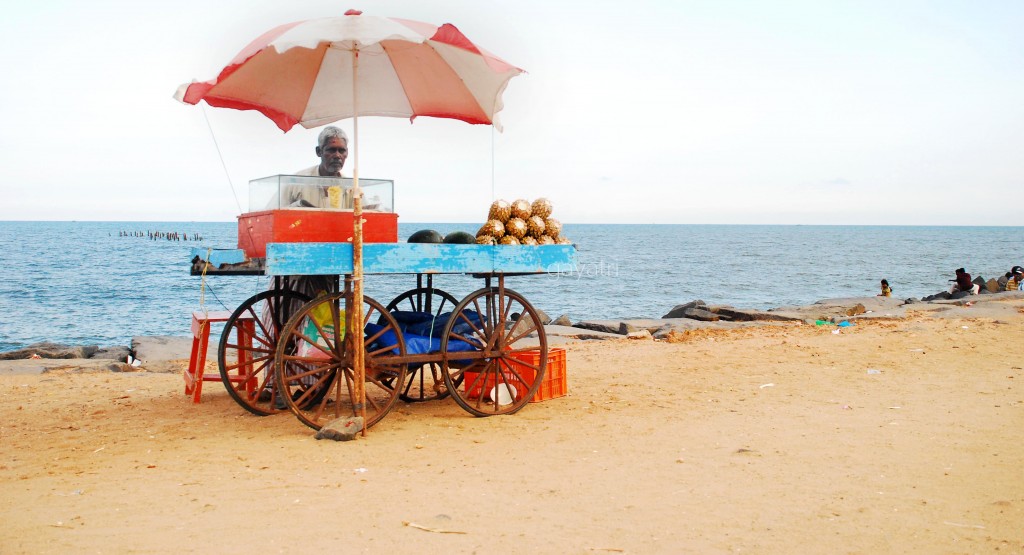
[
  {"x": 314, "y": 361},
  {"x": 500, "y": 324},
  {"x": 424, "y": 382},
  {"x": 248, "y": 345}
]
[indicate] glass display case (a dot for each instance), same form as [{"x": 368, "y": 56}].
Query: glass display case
[{"x": 302, "y": 192}]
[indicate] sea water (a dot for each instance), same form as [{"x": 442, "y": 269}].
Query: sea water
[{"x": 105, "y": 282}]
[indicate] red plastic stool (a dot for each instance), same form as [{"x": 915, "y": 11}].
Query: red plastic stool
[{"x": 196, "y": 374}]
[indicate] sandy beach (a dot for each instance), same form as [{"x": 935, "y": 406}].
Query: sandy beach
[{"x": 892, "y": 436}]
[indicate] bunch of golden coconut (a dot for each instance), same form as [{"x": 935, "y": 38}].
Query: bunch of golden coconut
[{"x": 521, "y": 223}]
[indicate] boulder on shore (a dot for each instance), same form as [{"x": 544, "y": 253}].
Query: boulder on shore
[
  {"x": 50, "y": 350},
  {"x": 747, "y": 315},
  {"x": 677, "y": 311}
]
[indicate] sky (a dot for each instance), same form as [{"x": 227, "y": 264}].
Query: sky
[{"x": 675, "y": 112}]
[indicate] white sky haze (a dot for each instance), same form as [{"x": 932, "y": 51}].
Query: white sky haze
[{"x": 703, "y": 111}]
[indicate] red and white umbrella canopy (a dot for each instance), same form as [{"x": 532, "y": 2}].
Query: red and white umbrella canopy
[{"x": 302, "y": 73}]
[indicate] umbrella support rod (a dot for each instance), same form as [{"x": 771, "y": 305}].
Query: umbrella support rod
[{"x": 358, "y": 354}]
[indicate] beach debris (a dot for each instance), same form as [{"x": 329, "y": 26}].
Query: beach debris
[
  {"x": 762, "y": 386},
  {"x": 639, "y": 334},
  {"x": 959, "y": 525},
  {"x": 856, "y": 309},
  {"x": 846, "y": 324},
  {"x": 341, "y": 429},
  {"x": 429, "y": 529},
  {"x": 835, "y": 332},
  {"x": 874, "y": 371}
]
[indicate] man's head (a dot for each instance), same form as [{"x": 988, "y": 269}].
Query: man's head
[{"x": 332, "y": 148}]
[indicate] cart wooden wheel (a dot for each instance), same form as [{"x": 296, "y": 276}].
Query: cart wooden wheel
[
  {"x": 314, "y": 361},
  {"x": 500, "y": 324},
  {"x": 424, "y": 382},
  {"x": 248, "y": 346}
]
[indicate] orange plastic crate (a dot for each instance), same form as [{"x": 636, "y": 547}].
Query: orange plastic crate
[{"x": 554, "y": 385}]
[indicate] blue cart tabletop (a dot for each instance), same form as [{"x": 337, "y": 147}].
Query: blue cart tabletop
[{"x": 294, "y": 259}]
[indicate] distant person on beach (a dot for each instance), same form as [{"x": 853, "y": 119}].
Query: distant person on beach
[
  {"x": 332, "y": 149},
  {"x": 963, "y": 283},
  {"x": 886, "y": 290}
]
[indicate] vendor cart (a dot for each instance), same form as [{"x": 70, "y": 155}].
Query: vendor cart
[{"x": 282, "y": 350}]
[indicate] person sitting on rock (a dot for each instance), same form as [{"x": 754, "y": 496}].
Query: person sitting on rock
[
  {"x": 963, "y": 283},
  {"x": 1015, "y": 281}
]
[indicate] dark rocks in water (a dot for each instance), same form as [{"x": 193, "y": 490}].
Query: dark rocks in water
[
  {"x": 50, "y": 350},
  {"x": 677, "y": 310},
  {"x": 912, "y": 300},
  {"x": 427, "y": 236},
  {"x": 460, "y": 238}
]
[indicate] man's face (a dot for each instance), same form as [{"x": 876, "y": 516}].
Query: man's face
[{"x": 332, "y": 156}]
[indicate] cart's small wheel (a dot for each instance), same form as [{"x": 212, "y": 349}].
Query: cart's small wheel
[
  {"x": 247, "y": 347},
  {"x": 314, "y": 361},
  {"x": 424, "y": 382},
  {"x": 495, "y": 379}
]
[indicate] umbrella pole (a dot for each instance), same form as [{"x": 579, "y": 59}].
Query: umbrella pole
[{"x": 358, "y": 352}]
